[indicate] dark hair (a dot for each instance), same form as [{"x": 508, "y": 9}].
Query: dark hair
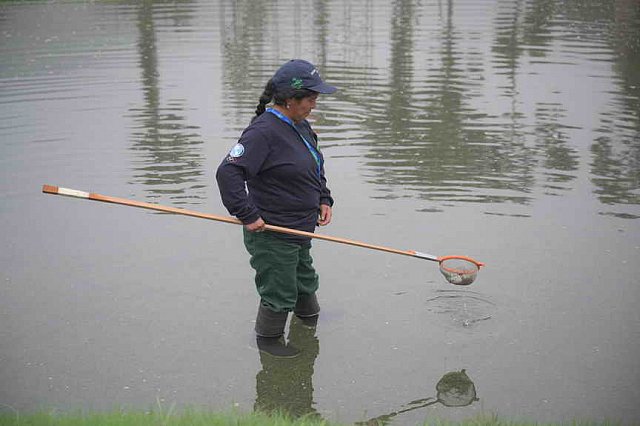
[{"x": 279, "y": 96}]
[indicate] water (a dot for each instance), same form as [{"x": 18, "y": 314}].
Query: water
[{"x": 504, "y": 130}]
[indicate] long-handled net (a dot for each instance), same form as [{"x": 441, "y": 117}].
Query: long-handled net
[{"x": 458, "y": 270}]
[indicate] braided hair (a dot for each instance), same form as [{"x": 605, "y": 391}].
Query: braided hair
[{"x": 265, "y": 98}]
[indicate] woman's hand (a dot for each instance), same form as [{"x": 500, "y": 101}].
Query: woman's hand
[
  {"x": 257, "y": 226},
  {"x": 325, "y": 215}
]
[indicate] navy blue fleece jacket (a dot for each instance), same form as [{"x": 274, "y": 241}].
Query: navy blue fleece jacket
[{"x": 283, "y": 185}]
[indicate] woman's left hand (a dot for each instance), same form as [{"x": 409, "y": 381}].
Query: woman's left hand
[{"x": 325, "y": 215}]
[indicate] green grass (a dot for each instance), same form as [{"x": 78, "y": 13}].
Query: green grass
[
  {"x": 201, "y": 418},
  {"x": 137, "y": 418}
]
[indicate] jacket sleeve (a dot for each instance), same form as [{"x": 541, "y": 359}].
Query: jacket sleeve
[
  {"x": 242, "y": 163},
  {"x": 325, "y": 193}
]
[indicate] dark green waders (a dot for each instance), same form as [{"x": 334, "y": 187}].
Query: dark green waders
[{"x": 286, "y": 281}]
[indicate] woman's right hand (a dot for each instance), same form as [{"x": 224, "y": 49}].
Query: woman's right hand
[{"x": 257, "y": 226}]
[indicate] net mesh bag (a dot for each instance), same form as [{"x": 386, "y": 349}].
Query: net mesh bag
[{"x": 458, "y": 270}]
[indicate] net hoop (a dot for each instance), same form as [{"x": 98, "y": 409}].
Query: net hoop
[
  {"x": 459, "y": 270},
  {"x": 467, "y": 258}
]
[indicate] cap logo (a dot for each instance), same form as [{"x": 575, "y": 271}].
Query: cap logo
[
  {"x": 296, "y": 83},
  {"x": 315, "y": 71}
]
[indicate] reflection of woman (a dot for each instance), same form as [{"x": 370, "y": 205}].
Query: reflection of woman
[
  {"x": 286, "y": 385},
  {"x": 278, "y": 159}
]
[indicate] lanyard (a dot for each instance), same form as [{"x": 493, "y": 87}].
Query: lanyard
[{"x": 313, "y": 150}]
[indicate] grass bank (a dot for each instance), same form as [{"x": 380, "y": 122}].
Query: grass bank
[
  {"x": 137, "y": 418},
  {"x": 196, "y": 418}
]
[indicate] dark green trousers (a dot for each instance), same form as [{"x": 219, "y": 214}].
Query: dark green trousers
[{"x": 283, "y": 270}]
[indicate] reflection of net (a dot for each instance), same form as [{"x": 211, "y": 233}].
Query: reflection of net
[
  {"x": 459, "y": 271},
  {"x": 455, "y": 389}
]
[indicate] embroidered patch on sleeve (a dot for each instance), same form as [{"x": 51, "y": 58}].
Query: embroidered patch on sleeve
[{"x": 237, "y": 151}]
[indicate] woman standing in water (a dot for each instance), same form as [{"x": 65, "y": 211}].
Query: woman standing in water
[{"x": 275, "y": 175}]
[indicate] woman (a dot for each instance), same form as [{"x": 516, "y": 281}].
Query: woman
[{"x": 275, "y": 175}]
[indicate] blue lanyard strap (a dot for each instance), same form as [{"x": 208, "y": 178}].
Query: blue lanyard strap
[{"x": 313, "y": 150}]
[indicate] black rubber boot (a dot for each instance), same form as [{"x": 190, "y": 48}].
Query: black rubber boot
[
  {"x": 307, "y": 309},
  {"x": 307, "y": 306},
  {"x": 270, "y": 333}
]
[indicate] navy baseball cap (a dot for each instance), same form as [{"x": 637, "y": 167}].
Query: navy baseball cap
[{"x": 300, "y": 74}]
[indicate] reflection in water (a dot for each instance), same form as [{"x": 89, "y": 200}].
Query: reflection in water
[
  {"x": 248, "y": 33},
  {"x": 558, "y": 159},
  {"x": 529, "y": 27},
  {"x": 321, "y": 19},
  {"x": 286, "y": 385},
  {"x": 507, "y": 49},
  {"x": 536, "y": 27},
  {"x": 247, "y": 37},
  {"x": 169, "y": 161},
  {"x": 425, "y": 139},
  {"x": 454, "y": 389},
  {"x": 451, "y": 115},
  {"x": 243, "y": 41},
  {"x": 616, "y": 151}
]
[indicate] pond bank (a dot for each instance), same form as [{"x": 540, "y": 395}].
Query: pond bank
[{"x": 194, "y": 417}]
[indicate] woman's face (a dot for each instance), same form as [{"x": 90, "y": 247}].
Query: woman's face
[{"x": 299, "y": 109}]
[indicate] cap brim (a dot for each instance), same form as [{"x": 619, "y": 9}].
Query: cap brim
[{"x": 323, "y": 88}]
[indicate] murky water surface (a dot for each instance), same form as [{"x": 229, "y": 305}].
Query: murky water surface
[{"x": 507, "y": 130}]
